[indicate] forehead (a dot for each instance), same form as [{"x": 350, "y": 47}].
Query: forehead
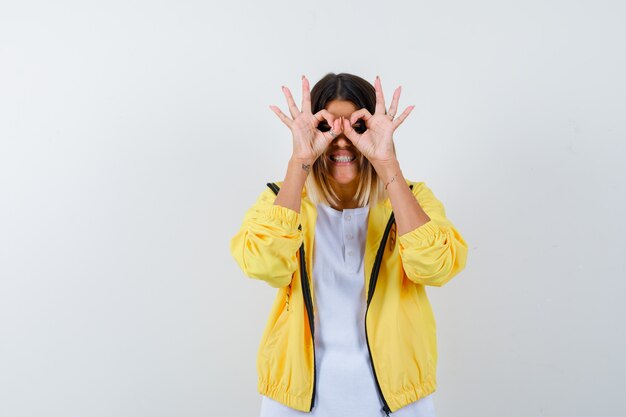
[{"x": 341, "y": 107}]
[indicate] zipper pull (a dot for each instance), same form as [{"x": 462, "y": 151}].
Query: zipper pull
[{"x": 384, "y": 409}]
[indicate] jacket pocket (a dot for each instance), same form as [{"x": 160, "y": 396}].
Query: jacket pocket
[{"x": 276, "y": 333}]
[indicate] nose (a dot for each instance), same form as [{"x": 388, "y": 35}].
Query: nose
[{"x": 341, "y": 141}]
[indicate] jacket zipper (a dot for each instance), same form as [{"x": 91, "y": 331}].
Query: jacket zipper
[
  {"x": 373, "y": 280},
  {"x": 308, "y": 302},
  {"x": 391, "y": 226},
  {"x": 309, "y": 309}
]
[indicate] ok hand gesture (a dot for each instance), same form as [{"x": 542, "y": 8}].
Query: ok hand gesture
[
  {"x": 376, "y": 143},
  {"x": 308, "y": 141}
]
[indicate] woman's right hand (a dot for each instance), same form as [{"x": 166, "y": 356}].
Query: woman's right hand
[{"x": 308, "y": 141}]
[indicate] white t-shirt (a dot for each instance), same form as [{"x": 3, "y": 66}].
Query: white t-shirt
[{"x": 345, "y": 384}]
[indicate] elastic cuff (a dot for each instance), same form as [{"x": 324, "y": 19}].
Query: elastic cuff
[
  {"x": 420, "y": 235},
  {"x": 283, "y": 216}
]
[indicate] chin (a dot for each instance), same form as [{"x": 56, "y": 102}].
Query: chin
[
  {"x": 344, "y": 178},
  {"x": 343, "y": 167}
]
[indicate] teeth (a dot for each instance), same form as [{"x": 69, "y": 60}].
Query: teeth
[{"x": 343, "y": 158}]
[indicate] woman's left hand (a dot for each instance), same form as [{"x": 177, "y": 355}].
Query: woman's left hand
[{"x": 376, "y": 143}]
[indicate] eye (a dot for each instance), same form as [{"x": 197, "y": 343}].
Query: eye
[
  {"x": 323, "y": 126},
  {"x": 359, "y": 126}
]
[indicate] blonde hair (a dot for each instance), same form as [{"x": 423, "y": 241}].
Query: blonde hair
[{"x": 370, "y": 190}]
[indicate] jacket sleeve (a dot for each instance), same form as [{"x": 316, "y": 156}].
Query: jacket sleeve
[
  {"x": 267, "y": 242},
  {"x": 433, "y": 253}
]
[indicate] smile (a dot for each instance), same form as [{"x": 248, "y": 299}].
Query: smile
[{"x": 336, "y": 158}]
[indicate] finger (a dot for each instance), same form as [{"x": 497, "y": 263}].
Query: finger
[
  {"x": 394, "y": 102},
  {"x": 293, "y": 109},
  {"x": 306, "y": 95},
  {"x": 403, "y": 116},
  {"x": 286, "y": 120},
  {"x": 336, "y": 128},
  {"x": 350, "y": 133},
  {"x": 360, "y": 114},
  {"x": 325, "y": 115},
  {"x": 380, "y": 99}
]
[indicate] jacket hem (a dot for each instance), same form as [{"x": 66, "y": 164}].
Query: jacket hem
[
  {"x": 411, "y": 394},
  {"x": 282, "y": 395}
]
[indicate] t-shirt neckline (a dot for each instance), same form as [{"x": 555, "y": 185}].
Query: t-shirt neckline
[{"x": 348, "y": 211}]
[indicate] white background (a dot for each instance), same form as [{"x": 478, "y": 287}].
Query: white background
[{"x": 135, "y": 134}]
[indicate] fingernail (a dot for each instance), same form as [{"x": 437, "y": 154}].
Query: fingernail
[{"x": 303, "y": 76}]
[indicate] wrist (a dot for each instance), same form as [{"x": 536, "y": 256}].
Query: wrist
[
  {"x": 304, "y": 160},
  {"x": 301, "y": 165},
  {"x": 386, "y": 170}
]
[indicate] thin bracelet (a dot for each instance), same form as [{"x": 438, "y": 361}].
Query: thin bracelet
[{"x": 392, "y": 179}]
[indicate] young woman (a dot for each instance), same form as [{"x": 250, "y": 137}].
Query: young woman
[{"x": 350, "y": 244}]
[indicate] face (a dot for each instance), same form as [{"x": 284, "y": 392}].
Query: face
[{"x": 342, "y": 172}]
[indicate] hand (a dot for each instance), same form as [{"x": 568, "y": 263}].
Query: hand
[
  {"x": 308, "y": 141},
  {"x": 376, "y": 143}
]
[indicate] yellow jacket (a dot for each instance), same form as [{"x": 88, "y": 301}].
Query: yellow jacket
[{"x": 399, "y": 323}]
